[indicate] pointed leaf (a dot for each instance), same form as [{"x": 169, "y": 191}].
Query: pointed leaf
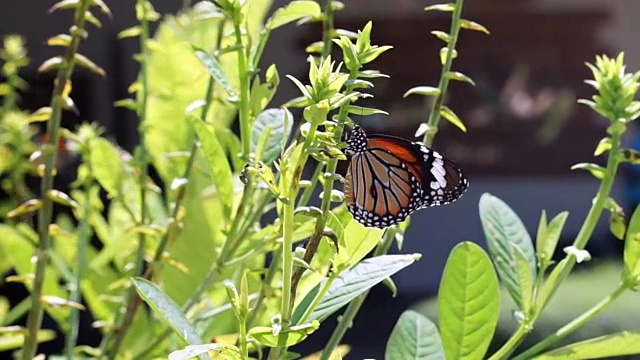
[
  {"x": 64, "y": 4},
  {"x": 130, "y": 32},
  {"x": 549, "y": 235},
  {"x": 502, "y": 228},
  {"x": 608, "y": 346},
  {"x": 458, "y": 76},
  {"x": 293, "y": 335},
  {"x": 471, "y": 25},
  {"x": 468, "y": 302},
  {"x": 59, "y": 40},
  {"x": 84, "y": 61},
  {"x": 364, "y": 111},
  {"x": 226, "y": 351},
  {"x": 359, "y": 279},
  {"x": 596, "y": 170},
  {"x": 448, "y": 114},
  {"x": 50, "y": 64},
  {"x": 279, "y": 122},
  {"x": 295, "y": 10},
  {"x": 220, "y": 170},
  {"x": 423, "y": 90},
  {"x": 214, "y": 69},
  {"x": 441, "y": 7},
  {"x": 441, "y": 35},
  {"x": 525, "y": 279},
  {"x": 42, "y": 114},
  {"x": 603, "y": 146},
  {"x": 168, "y": 311},
  {"x": 632, "y": 247},
  {"x": 106, "y": 165},
  {"x": 414, "y": 337}
]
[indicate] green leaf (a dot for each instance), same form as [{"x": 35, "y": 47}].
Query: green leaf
[
  {"x": 525, "y": 279},
  {"x": 444, "y": 53},
  {"x": 227, "y": 352},
  {"x": 86, "y": 63},
  {"x": 441, "y": 7},
  {"x": 295, "y": 10},
  {"x": 423, "y": 90},
  {"x": 106, "y": 165},
  {"x": 458, "y": 76},
  {"x": 603, "y": 146},
  {"x": 359, "y": 279},
  {"x": 364, "y": 111},
  {"x": 632, "y": 248},
  {"x": 167, "y": 310},
  {"x": 355, "y": 244},
  {"x": 549, "y": 284},
  {"x": 278, "y": 122},
  {"x": 414, "y": 337},
  {"x": 216, "y": 157},
  {"x": 502, "y": 228},
  {"x": 468, "y": 302},
  {"x": 15, "y": 340},
  {"x": 548, "y": 236},
  {"x": 448, "y": 114},
  {"x": 596, "y": 170},
  {"x": 293, "y": 335},
  {"x": 214, "y": 69},
  {"x": 59, "y": 40},
  {"x": 130, "y": 32},
  {"x": 618, "y": 344},
  {"x": 262, "y": 93},
  {"x": 472, "y": 25},
  {"x": 442, "y": 36}
]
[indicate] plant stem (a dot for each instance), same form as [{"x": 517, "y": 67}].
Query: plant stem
[
  {"x": 434, "y": 116},
  {"x": 266, "y": 286},
  {"x": 45, "y": 214},
  {"x": 346, "y": 320},
  {"x": 573, "y": 325},
  {"x": 84, "y": 236},
  {"x": 132, "y": 299},
  {"x": 327, "y": 28},
  {"x": 579, "y": 243},
  {"x": 245, "y": 83}
]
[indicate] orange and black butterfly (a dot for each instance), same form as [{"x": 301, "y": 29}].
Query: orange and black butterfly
[{"x": 389, "y": 178}]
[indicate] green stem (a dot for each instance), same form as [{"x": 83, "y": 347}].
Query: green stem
[
  {"x": 131, "y": 298},
  {"x": 45, "y": 215},
  {"x": 579, "y": 243},
  {"x": 573, "y": 325},
  {"x": 434, "y": 116},
  {"x": 327, "y": 28},
  {"x": 511, "y": 344},
  {"x": 346, "y": 320},
  {"x": 244, "y": 349},
  {"x": 84, "y": 236},
  {"x": 245, "y": 83},
  {"x": 266, "y": 288}
]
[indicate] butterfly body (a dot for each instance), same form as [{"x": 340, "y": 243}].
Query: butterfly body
[{"x": 389, "y": 178}]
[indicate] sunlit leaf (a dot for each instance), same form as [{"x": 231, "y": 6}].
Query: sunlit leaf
[
  {"x": 472, "y": 25},
  {"x": 228, "y": 352},
  {"x": 448, "y": 114},
  {"x": 596, "y": 170},
  {"x": 549, "y": 235},
  {"x": 15, "y": 340},
  {"x": 608, "y": 346},
  {"x": 458, "y": 76},
  {"x": 106, "y": 165},
  {"x": 422, "y": 90},
  {"x": 293, "y": 11},
  {"x": 214, "y": 69},
  {"x": 632, "y": 247},
  {"x": 468, "y": 302},
  {"x": 279, "y": 122},
  {"x": 356, "y": 243},
  {"x": 293, "y": 335},
  {"x": 441, "y": 7}
]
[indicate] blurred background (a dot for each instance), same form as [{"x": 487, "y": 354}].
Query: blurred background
[{"x": 525, "y": 129}]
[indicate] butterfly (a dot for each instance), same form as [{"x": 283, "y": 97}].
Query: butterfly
[{"x": 389, "y": 178}]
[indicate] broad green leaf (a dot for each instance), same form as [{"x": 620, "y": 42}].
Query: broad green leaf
[
  {"x": 355, "y": 244},
  {"x": 220, "y": 171},
  {"x": 414, "y": 337},
  {"x": 359, "y": 279},
  {"x": 422, "y": 90},
  {"x": 167, "y": 310},
  {"x": 448, "y": 114},
  {"x": 549, "y": 235},
  {"x": 15, "y": 340},
  {"x": 294, "y": 335},
  {"x": 632, "y": 247},
  {"x": 214, "y": 69},
  {"x": 596, "y": 170},
  {"x": 225, "y": 351},
  {"x": 608, "y": 346},
  {"x": 279, "y": 123},
  {"x": 295, "y": 10},
  {"x": 106, "y": 165},
  {"x": 502, "y": 228},
  {"x": 468, "y": 302}
]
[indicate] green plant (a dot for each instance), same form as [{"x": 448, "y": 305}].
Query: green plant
[{"x": 468, "y": 299}]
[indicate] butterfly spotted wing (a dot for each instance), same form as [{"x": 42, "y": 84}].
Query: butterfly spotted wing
[{"x": 389, "y": 178}]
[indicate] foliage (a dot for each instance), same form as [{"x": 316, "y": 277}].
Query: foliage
[{"x": 194, "y": 246}]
